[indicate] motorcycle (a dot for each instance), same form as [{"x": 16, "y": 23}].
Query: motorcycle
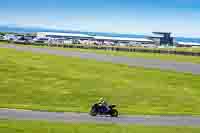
[{"x": 101, "y": 110}]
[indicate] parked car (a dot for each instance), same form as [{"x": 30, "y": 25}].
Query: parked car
[
  {"x": 1, "y": 37},
  {"x": 10, "y": 37},
  {"x": 41, "y": 40}
]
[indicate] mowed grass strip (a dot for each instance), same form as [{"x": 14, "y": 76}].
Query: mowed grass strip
[
  {"x": 164, "y": 57},
  {"x": 56, "y": 83},
  {"x": 8, "y": 126},
  {"x": 2, "y": 42},
  {"x": 167, "y": 57}
]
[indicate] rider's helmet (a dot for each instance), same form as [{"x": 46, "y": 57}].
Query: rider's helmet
[{"x": 101, "y": 100}]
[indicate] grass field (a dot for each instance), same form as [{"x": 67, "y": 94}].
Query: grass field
[
  {"x": 7, "y": 126},
  {"x": 178, "y": 58},
  {"x": 55, "y": 83}
]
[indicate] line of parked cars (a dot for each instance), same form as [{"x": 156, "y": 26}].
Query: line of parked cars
[
  {"x": 23, "y": 38},
  {"x": 27, "y": 39}
]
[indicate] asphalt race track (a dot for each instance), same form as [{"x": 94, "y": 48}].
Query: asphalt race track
[
  {"x": 84, "y": 117},
  {"x": 140, "y": 62}
]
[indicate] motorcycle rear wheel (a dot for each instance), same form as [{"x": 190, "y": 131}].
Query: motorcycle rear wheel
[{"x": 93, "y": 112}]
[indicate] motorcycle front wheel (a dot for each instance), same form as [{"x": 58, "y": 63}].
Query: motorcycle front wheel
[{"x": 114, "y": 113}]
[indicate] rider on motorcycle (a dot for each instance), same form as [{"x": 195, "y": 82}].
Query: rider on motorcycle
[{"x": 102, "y": 103}]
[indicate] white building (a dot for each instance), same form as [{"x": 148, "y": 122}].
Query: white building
[
  {"x": 63, "y": 35},
  {"x": 87, "y": 39},
  {"x": 122, "y": 40},
  {"x": 187, "y": 44}
]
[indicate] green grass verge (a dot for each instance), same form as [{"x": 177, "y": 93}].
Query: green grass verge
[
  {"x": 3, "y": 42},
  {"x": 56, "y": 83},
  {"x": 8, "y": 126},
  {"x": 168, "y": 57},
  {"x": 187, "y": 49}
]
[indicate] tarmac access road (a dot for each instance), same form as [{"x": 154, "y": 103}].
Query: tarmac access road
[
  {"x": 131, "y": 61},
  {"x": 86, "y": 118}
]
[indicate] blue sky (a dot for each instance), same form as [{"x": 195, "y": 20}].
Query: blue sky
[{"x": 182, "y": 17}]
